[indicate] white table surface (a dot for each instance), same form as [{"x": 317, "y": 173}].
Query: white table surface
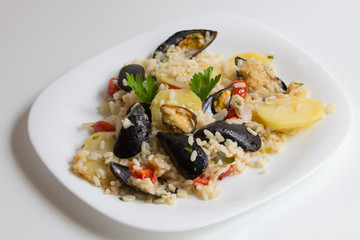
[{"x": 42, "y": 39}]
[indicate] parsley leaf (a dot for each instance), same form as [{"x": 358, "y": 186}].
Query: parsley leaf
[
  {"x": 202, "y": 84},
  {"x": 222, "y": 156},
  {"x": 146, "y": 91}
]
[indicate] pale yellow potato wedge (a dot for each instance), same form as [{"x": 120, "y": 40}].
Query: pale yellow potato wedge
[
  {"x": 249, "y": 55},
  {"x": 290, "y": 113},
  {"x": 182, "y": 97},
  {"x": 168, "y": 78},
  {"x": 165, "y": 77},
  {"x": 92, "y": 144}
]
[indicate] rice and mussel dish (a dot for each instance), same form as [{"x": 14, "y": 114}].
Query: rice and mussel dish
[{"x": 182, "y": 120}]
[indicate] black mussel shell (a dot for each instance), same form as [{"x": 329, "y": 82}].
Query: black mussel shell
[
  {"x": 214, "y": 103},
  {"x": 281, "y": 83},
  {"x": 133, "y": 69},
  {"x": 235, "y": 132},
  {"x": 128, "y": 142},
  {"x": 193, "y": 40},
  {"x": 179, "y": 150},
  {"x": 123, "y": 174},
  {"x": 239, "y": 61},
  {"x": 145, "y": 106}
]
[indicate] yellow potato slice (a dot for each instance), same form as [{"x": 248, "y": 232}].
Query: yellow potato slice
[
  {"x": 289, "y": 113},
  {"x": 165, "y": 76},
  {"x": 182, "y": 97},
  {"x": 249, "y": 55},
  {"x": 92, "y": 144}
]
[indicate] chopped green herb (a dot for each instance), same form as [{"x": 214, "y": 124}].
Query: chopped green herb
[
  {"x": 188, "y": 149},
  {"x": 237, "y": 102},
  {"x": 146, "y": 91},
  {"x": 299, "y": 84},
  {"x": 271, "y": 56},
  {"x": 95, "y": 137},
  {"x": 222, "y": 156},
  {"x": 202, "y": 84},
  {"x": 268, "y": 75}
]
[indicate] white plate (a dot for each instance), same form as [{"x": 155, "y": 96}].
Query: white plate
[{"x": 72, "y": 99}]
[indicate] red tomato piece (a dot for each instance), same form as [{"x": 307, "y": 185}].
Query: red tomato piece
[
  {"x": 201, "y": 180},
  {"x": 231, "y": 114},
  {"x": 243, "y": 90},
  {"x": 113, "y": 88},
  {"x": 173, "y": 87},
  {"x": 143, "y": 172},
  {"x": 227, "y": 173},
  {"x": 102, "y": 126}
]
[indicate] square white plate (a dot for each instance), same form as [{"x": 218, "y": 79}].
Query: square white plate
[{"x": 72, "y": 99}]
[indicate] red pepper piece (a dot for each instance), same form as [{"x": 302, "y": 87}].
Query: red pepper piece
[{"x": 102, "y": 126}]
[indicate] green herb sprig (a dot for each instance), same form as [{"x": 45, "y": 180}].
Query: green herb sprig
[
  {"x": 146, "y": 91},
  {"x": 202, "y": 84},
  {"x": 222, "y": 156}
]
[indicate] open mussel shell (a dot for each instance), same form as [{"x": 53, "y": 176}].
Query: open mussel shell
[
  {"x": 193, "y": 41},
  {"x": 218, "y": 101},
  {"x": 180, "y": 152},
  {"x": 123, "y": 174},
  {"x": 135, "y": 130},
  {"x": 243, "y": 135},
  {"x": 134, "y": 69},
  {"x": 178, "y": 119}
]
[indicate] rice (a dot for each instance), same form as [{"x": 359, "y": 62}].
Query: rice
[
  {"x": 127, "y": 123},
  {"x": 193, "y": 155},
  {"x": 128, "y": 198},
  {"x": 92, "y": 160},
  {"x": 191, "y": 140}
]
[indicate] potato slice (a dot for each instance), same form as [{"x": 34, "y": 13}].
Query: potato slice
[
  {"x": 249, "y": 55},
  {"x": 182, "y": 97},
  {"x": 289, "y": 113},
  {"x": 167, "y": 77},
  {"x": 93, "y": 163}
]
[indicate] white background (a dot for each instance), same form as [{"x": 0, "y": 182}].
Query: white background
[{"x": 41, "y": 40}]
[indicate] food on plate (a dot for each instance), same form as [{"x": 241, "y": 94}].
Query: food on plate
[{"x": 184, "y": 119}]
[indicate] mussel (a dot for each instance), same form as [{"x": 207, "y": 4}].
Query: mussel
[
  {"x": 145, "y": 106},
  {"x": 189, "y": 160},
  {"x": 246, "y": 138},
  {"x": 178, "y": 119},
  {"x": 135, "y": 130},
  {"x": 194, "y": 41},
  {"x": 123, "y": 174},
  {"x": 134, "y": 69},
  {"x": 218, "y": 101}
]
